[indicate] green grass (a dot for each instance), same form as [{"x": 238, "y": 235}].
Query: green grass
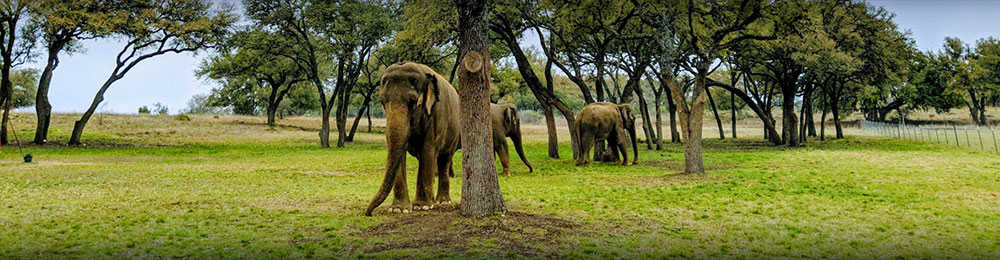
[{"x": 261, "y": 193}]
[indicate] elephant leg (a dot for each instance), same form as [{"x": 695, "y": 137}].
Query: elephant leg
[
  {"x": 586, "y": 142},
  {"x": 622, "y": 144},
  {"x": 425, "y": 181},
  {"x": 613, "y": 148},
  {"x": 444, "y": 182},
  {"x": 401, "y": 197},
  {"x": 504, "y": 153}
]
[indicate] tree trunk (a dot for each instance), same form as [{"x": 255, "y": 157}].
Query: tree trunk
[
  {"x": 550, "y": 125},
  {"x": 789, "y": 124},
  {"x": 365, "y": 107},
  {"x": 369, "y": 115},
  {"x": 691, "y": 120},
  {"x": 480, "y": 187},
  {"x": 659, "y": 119},
  {"x": 822, "y": 119},
  {"x": 272, "y": 111},
  {"x": 357, "y": 120},
  {"x": 43, "y": 109},
  {"x": 715, "y": 111},
  {"x": 647, "y": 124},
  {"x": 834, "y": 104},
  {"x": 732, "y": 111},
  {"x": 324, "y": 130},
  {"x": 807, "y": 105},
  {"x": 550, "y": 120},
  {"x": 79, "y": 125},
  {"x": 675, "y": 136}
]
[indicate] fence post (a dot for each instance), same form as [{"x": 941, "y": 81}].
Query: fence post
[
  {"x": 945, "y": 137},
  {"x": 957, "y": 142},
  {"x": 994, "y": 134},
  {"x": 967, "y": 139},
  {"x": 980, "y": 133}
]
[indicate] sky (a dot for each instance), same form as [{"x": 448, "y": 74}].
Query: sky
[{"x": 169, "y": 79}]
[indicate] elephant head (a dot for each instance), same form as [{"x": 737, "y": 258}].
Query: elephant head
[
  {"x": 513, "y": 125},
  {"x": 408, "y": 92},
  {"x": 628, "y": 122}
]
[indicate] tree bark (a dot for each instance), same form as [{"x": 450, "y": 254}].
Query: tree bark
[
  {"x": 732, "y": 111},
  {"x": 481, "y": 194},
  {"x": 43, "y": 109},
  {"x": 658, "y": 101},
  {"x": 8, "y": 36},
  {"x": 789, "y": 124}
]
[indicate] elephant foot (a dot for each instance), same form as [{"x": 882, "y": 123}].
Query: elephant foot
[
  {"x": 443, "y": 200},
  {"x": 582, "y": 163},
  {"x": 400, "y": 207},
  {"x": 507, "y": 172},
  {"x": 422, "y": 206}
]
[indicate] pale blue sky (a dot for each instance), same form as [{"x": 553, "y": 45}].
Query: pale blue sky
[{"x": 170, "y": 78}]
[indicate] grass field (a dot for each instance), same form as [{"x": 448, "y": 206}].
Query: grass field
[{"x": 230, "y": 187}]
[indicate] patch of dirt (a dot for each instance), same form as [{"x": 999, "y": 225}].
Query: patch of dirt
[{"x": 444, "y": 229}]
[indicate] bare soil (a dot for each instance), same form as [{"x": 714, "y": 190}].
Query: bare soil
[{"x": 444, "y": 230}]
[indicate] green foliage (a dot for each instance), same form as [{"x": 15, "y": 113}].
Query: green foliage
[
  {"x": 144, "y": 109},
  {"x": 25, "y": 83}
]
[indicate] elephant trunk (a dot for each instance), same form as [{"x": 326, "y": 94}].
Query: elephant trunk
[
  {"x": 397, "y": 133},
  {"x": 516, "y": 139},
  {"x": 635, "y": 147}
]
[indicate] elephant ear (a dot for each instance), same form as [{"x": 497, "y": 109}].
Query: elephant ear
[
  {"x": 625, "y": 111},
  {"x": 430, "y": 95},
  {"x": 509, "y": 115}
]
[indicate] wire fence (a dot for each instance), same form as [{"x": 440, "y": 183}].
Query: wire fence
[{"x": 973, "y": 137}]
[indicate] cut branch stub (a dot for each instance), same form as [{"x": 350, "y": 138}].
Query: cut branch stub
[{"x": 472, "y": 62}]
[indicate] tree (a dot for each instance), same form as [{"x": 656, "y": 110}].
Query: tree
[
  {"x": 323, "y": 35},
  {"x": 152, "y": 28},
  {"x": 704, "y": 41},
  {"x": 62, "y": 25},
  {"x": 480, "y": 187},
  {"x": 24, "y": 83},
  {"x": 16, "y": 43},
  {"x": 509, "y": 24},
  {"x": 987, "y": 59},
  {"x": 251, "y": 57}
]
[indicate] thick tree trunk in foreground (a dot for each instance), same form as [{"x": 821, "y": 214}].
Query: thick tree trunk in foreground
[{"x": 480, "y": 187}]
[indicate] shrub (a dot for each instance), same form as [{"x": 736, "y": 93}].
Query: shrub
[{"x": 182, "y": 117}]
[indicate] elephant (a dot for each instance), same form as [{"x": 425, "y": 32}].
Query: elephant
[
  {"x": 422, "y": 118},
  {"x": 507, "y": 124},
  {"x": 601, "y": 121}
]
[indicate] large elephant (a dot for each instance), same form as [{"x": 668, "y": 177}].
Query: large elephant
[
  {"x": 507, "y": 124},
  {"x": 422, "y": 118},
  {"x": 602, "y": 121}
]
